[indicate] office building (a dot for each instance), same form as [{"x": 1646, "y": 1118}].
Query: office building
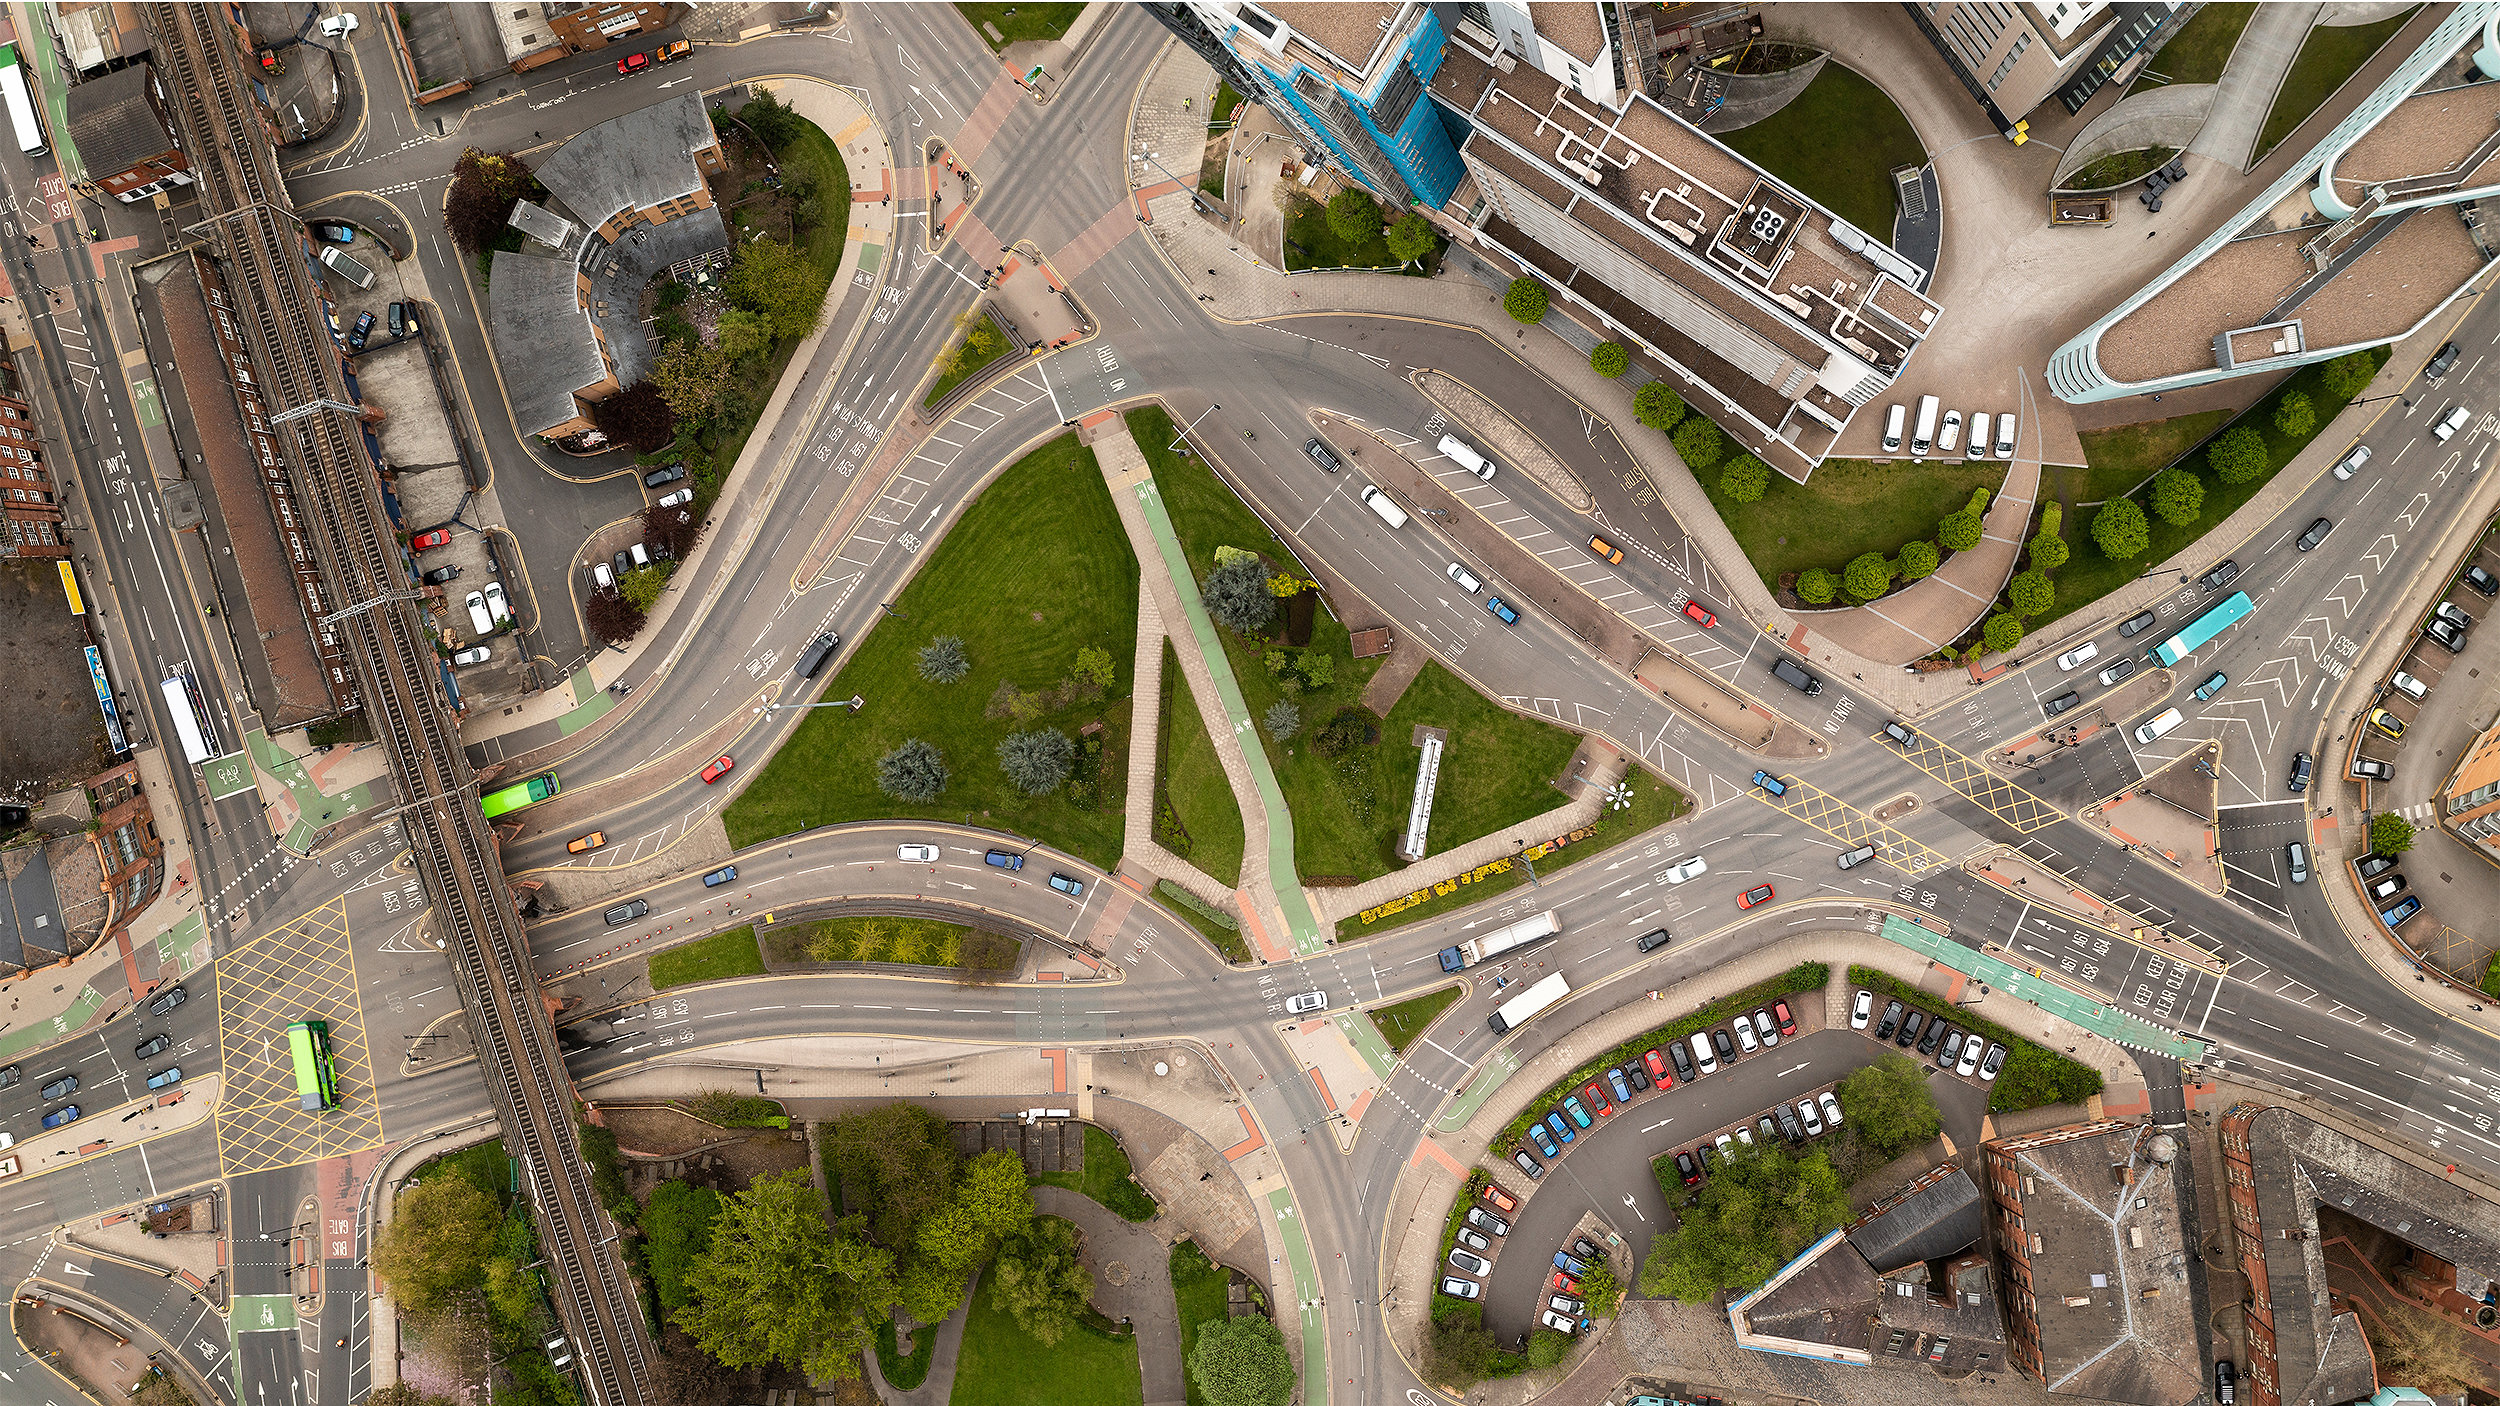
[{"x": 2013, "y": 57}]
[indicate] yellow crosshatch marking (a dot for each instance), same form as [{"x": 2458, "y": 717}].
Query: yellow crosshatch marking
[
  {"x": 302, "y": 971},
  {"x": 1850, "y": 825},
  {"x": 1972, "y": 780}
]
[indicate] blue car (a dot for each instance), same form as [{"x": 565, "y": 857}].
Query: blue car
[
  {"x": 1623, "y": 1091},
  {"x": 1501, "y": 610},
  {"x": 2206, "y": 690},
  {"x": 1770, "y": 783},
  {"x": 1003, "y": 859},
  {"x": 1561, "y": 1129},
  {"x": 2395, "y": 917},
  {"x": 1564, "y": 1262},
  {"x": 1578, "y": 1114},
  {"x": 724, "y": 874},
  {"x": 1544, "y": 1141},
  {"x": 68, "y": 1114}
]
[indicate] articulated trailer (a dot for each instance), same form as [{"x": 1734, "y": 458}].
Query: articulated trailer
[{"x": 1500, "y": 940}]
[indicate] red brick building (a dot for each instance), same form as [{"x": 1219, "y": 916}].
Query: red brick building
[
  {"x": 30, "y": 503},
  {"x": 127, "y": 846}
]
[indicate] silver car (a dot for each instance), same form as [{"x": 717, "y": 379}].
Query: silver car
[{"x": 1471, "y": 1264}]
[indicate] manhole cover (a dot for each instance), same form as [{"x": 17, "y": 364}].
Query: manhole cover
[{"x": 1115, "y": 1272}]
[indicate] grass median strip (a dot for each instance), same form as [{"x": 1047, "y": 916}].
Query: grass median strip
[
  {"x": 1402, "y": 1024},
  {"x": 922, "y": 942},
  {"x": 714, "y": 958}
]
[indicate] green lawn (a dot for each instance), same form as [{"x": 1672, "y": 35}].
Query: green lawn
[
  {"x": 874, "y": 938},
  {"x": 1849, "y": 506},
  {"x": 1020, "y": 21},
  {"x": 1002, "y": 1365},
  {"x": 905, "y": 1370},
  {"x": 1193, "y": 784},
  {"x": 1853, "y": 178},
  {"x": 2331, "y": 54},
  {"x": 723, "y": 954},
  {"x": 1227, "y": 942},
  {"x": 1227, "y": 98},
  {"x": 1044, "y": 536},
  {"x": 1402, "y": 1023},
  {"x": 1106, "y": 1178},
  {"x": 973, "y": 365},
  {"x": 1200, "y": 1290},
  {"x": 1311, "y": 244},
  {"x": 2120, "y": 167},
  {"x": 2120, "y": 457},
  {"x": 2197, "y": 53},
  {"x": 1497, "y": 769}
]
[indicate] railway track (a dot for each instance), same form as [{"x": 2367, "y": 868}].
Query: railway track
[{"x": 253, "y": 228}]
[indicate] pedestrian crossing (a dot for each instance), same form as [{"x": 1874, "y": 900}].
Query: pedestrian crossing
[{"x": 2420, "y": 813}]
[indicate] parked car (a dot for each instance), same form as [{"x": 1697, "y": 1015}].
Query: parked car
[
  {"x": 2368, "y": 866},
  {"x": 2408, "y": 685},
  {"x": 472, "y": 656},
  {"x": 1829, "y": 1102},
  {"x": 664, "y": 475},
  {"x": 1971, "y": 1050},
  {"x": 2453, "y": 614},
  {"x": 1790, "y": 1128},
  {"x": 719, "y": 768},
  {"x": 2211, "y": 686},
  {"x": 1561, "y": 1127},
  {"x": 1688, "y": 1169},
  {"x": 2385, "y": 723},
  {"x": 1911, "y": 1025},
  {"x": 153, "y": 1046},
  {"x": 1486, "y": 1221},
  {"x": 1952, "y": 1049},
  {"x": 2396, "y": 917},
  {"x": 2449, "y": 636},
  {"x": 1068, "y": 884},
  {"x": 1623, "y": 1091},
  {"x": 1935, "y": 1036},
  {"x": 496, "y": 605},
  {"x": 1559, "y": 1323},
  {"x": 2372, "y": 769},
  {"x": 1475, "y": 1240},
  {"x": 1861, "y": 1009},
  {"x": 2484, "y": 583},
  {"x": 1683, "y": 1062},
  {"x": 1595, "y": 1093},
  {"x": 1528, "y": 1166},
  {"x": 171, "y": 1074},
  {"x": 678, "y": 499},
  {"x": 1658, "y": 1070},
  {"x": 1754, "y": 897},
  {"x": 361, "y": 332},
  {"x": 429, "y": 540},
  {"x": 1499, "y": 1199},
  {"x": 1890, "y": 1022},
  {"x": 2226, "y": 1376},
  {"x": 334, "y": 233},
  {"x": 2302, "y": 767},
  {"x": 399, "y": 319},
  {"x": 1746, "y": 1040},
  {"x": 1726, "y": 1048},
  {"x": 338, "y": 26},
  {"x": 633, "y": 63},
  {"x": 1472, "y": 1264},
  {"x": 1995, "y": 1061},
  {"x": 65, "y": 1114},
  {"x": 1809, "y": 1115},
  {"x": 2135, "y": 625},
  {"x": 1306, "y": 1003},
  {"x": 1458, "y": 1288},
  {"x": 1579, "y": 1111},
  {"x": 1763, "y": 1026},
  {"x": 1564, "y": 1262},
  {"x": 1544, "y": 1140},
  {"x": 1780, "y": 1013},
  {"x": 2387, "y": 887}
]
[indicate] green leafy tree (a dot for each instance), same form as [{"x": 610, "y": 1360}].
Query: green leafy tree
[
  {"x": 742, "y": 334},
  {"x": 1754, "y": 1216},
  {"x": 1698, "y": 443},
  {"x": 1037, "y": 760},
  {"x": 2390, "y": 833},
  {"x": 691, "y": 377},
  {"x": 1526, "y": 300},
  {"x": 1038, "y": 1281},
  {"x": 2031, "y": 593},
  {"x": 778, "y": 1286},
  {"x": 778, "y": 283},
  {"x": 2294, "y": 416},
  {"x": 511, "y": 1292},
  {"x": 434, "y": 1250},
  {"x": 1093, "y": 665},
  {"x": 1919, "y": 560},
  {"x": 770, "y": 119},
  {"x": 1461, "y": 1353},
  {"x": 899, "y": 1161},
  {"x": 1815, "y": 586},
  {"x": 1744, "y": 479},
  {"x": 1241, "y": 1362},
  {"x": 1602, "y": 1291},
  {"x": 1657, "y": 405},
  {"x": 943, "y": 660},
  {"x": 1867, "y": 576},
  {"x": 2343, "y": 378},
  {"x": 914, "y": 772},
  {"x": 1409, "y": 238},
  {"x": 1959, "y": 532},
  {"x": 2237, "y": 455},
  {"x": 1546, "y": 1348},
  {"x": 676, "y": 1231},
  {"x": 1889, "y": 1105},
  {"x": 2120, "y": 531},
  {"x": 2049, "y": 552},
  {"x": 1237, "y": 597},
  {"x": 2001, "y": 633},
  {"x": 1283, "y": 719},
  {"x": 927, "y": 1288},
  {"x": 1610, "y": 359},
  {"x": 1353, "y": 215},
  {"x": 2178, "y": 496}
]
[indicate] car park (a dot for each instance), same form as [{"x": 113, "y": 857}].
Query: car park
[
  {"x": 1688, "y": 1169},
  {"x": 2482, "y": 582},
  {"x": 1652, "y": 940},
  {"x": 172, "y": 1074},
  {"x": 1911, "y": 1025},
  {"x": 1544, "y": 1140},
  {"x": 1901, "y": 736},
  {"x": 1790, "y": 1128},
  {"x": 1952, "y": 1049},
  {"x": 429, "y": 540},
  {"x": 2372, "y": 769},
  {"x": 2220, "y": 576},
  {"x": 2302, "y": 766},
  {"x": 66, "y": 1114},
  {"x": 1500, "y": 610},
  {"x": 2135, "y": 625},
  {"x": 62, "y": 1087},
  {"x": 2449, "y": 636},
  {"x": 1486, "y": 1221},
  {"x": 2385, "y": 723},
  {"x": 2395, "y": 917},
  {"x": 2448, "y": 425},
  {"x": 719, "y": 768},
  {"x": 153, "y": 1046},
  {"x": 470, "y": 657},
  {"x": 2408, "y": 685},
  {"x": 1810, "y": 1116},
  {"x": 664, "y": 476},
  {"x": 727, "y": 873},
  {"x": 1699, "y": 616},
  {"x": 916, "y": 854},
  {"x": 1754, "y": 897},
  {"x": 2450, "y": 612},
  {"x": 1725, "y": 1047},
  {"x": 1763, "y": 1027},
  {"x": 2386, "y": 887},
  {"x": 583, "y": 844},
  {"x": 1458, "y": 1288},
  {"x": 1472, "y": 1264},
  {"x": 1606, "y": 551},
  {"x": 1306, "y": 1003},
  {"x": 1466, "y": 579},
  {"x": 1323, "y": 456},
  {"x": 2117, "y": 673},
  {"x": 1971, "y": 1050},
  {"x": 1623, "y": 1091},
  {"x": 1475, "y": 1240},
  {"x": 1994, "y": 1062},
  {"x": 2061, "y": 703},
  {"x": 2296, "y": 863},
  {"x": 2351, "y": 463},
  {"x": 1851, "y": 859},
  {"x": 2074, "y": 659},
  {"x": 1935, "y": 1036},
  {"x": 2211, "y": 686},
  {"x": 1890, "y": 1022},
  {"x": 1499, "y": 1199},
  {"x": 1563, "y": 1261},
  {"x": 1788, "y": 1022},
  {"x": 2368, "y": 866},
  {"x": 1860, "y": 1009},
  {"x": 1829, "y": 1102},
  {"x": 1068, "y": 884},
  {"x": 1003, "y": 859},
  {"x": 1689, "y": 867},
  {"x": 1683, "y": 1062},
  {"x": 627, "y": 911},
  {"x": 2315, "y": 534},
  {"x": 167, "y": 1000},
  {"x": 1528, "y": 1166},
  {"x": 1766, "y": 781},
  {"x": 2441, "y": 362}
]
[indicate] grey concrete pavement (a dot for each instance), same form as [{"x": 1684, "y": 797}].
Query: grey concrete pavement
[
  {"x": 2258, "y": 65},
  {"x": 1132, "y": 1282}
]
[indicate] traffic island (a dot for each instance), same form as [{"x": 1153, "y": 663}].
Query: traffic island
[{"x": 2173, "y": 814}]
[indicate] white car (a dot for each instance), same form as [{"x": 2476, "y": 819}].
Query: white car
[
  {"x": 1470, "y": 1264},
  {"x": 1686, "y": 869},
  {"x": 1948, "y": 438},
  {"x": 496, "y": 603},
  {"x": 1559, "y": 1323},
  {"x": 474, "y": 654},
  {"x": 2450, "y": 423},
  {"x": 1813, "y": 1120},
  {"x": 678, "y": 499},
  {"x": 1745, "y": 1038},
  {"x": 917, "y": 854},
  {"x": 338, "y": 26},
  {"x": 1466, "y": 580},
  {"x": 1862, "y": 1011},
  {"x": 1971, "y": 1051},
  {"x": 1307, "y": 1002},
  {"x": 2074, "y": 659},
  {"x": 479, "y": 618},
  {"x": 2408, "y": 685},
  {"x": 601, "y": 578},
  {"x": 1831, "y": 1107}
]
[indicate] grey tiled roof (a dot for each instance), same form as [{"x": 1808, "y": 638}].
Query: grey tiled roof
[
  {"x": 542, "y": 338},
  {"x": 1936, "y": 1221},
  {"x": 112, "y": 124},
  {"x": 633, "y": 161}
]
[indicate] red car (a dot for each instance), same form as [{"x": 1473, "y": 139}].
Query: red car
[
  {"x": 721, "y": 764},
  {"x": 1565, "y": 1284},
  {"x": 1502, "y": 1200},
  {"x": 1597, "y": 1097},
  {"x": 1754, "y": 897},
  {"x": 1658, "y": 1070},
  {"x": 633, "y": 63},
  {"x": 428, "y": 541},
  {"x": 1788, "y": 1023},
  {"x": 1699, "y": 616}
]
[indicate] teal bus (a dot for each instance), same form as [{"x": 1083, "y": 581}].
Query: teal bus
[
  {"x": 2196, "y": 636},
  {"x": 520, "y": 794},
  {"x": 316, "y": 1083}
]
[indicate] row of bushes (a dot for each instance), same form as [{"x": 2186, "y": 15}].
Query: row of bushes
[
  {"x": 2033, "y": 1077},
  {"x": 1805, "y": 976}
]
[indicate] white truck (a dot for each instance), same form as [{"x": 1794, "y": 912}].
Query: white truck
[{"x": 1500, "y": 940}]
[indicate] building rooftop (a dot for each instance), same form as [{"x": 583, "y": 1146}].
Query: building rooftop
[
  {"x": 1831, "y": 1303},
  {"x": 522, "y": 26},
  {"x": 1349, "y": 35},
  {"x": 631, "y": 162},
  {"x": 96, "y": 32},
  {"x": 2430, "y": 134},
  {"x": 1573, "y": 26},
  {"x": 1826, "y": 1296},
  {"x": 112, "y": 122},
  {"x": 544, "y": 225},
  {"x": 1937, "y": 1216},
  {"x": 543, "y": 339}
]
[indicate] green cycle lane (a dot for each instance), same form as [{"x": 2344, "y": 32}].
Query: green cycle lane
[
  {"x": 1305, "y": 1269},
  {"x": 1308, "y": 937}
]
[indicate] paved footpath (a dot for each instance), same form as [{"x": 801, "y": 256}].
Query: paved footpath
[{"x": 1132, "y": 1270}]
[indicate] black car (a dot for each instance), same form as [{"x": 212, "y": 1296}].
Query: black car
[
  {"x": 1890, "y": 1022},
  {"x": 441, "y": 574},
  {"x": 1911, "y": 1027},
  {"x": 2483, "y": 582},
  {"x": 1688, "y": 1169},
  {"x": 2061, "y": 703},
  {"x": 399, "y": 319},
  {"x": 2226, "y": 1376},
  {"x": 2298, "y": 781},
  {"x": 364, "y": 328},
  {"x": 1725, "y": 1046},
  {"x": 2316, "y": 533},
  {"x": 1950, "y": 1053},
  {"x": 1589, "y": 1250},
  {"x": 1935, "y": 1036},
  {"x": 2369, "y": 866},
  {"x": 2439, "y": 366},
  {"x": 62, "y": 1087},
  {"x": 1675, "y": 1054},
  {"x": 2135, "y": 625},
  {"x": 173, "y": 997},
  {"x": 153, "y": 1046},
  {"x": 622, "y": 564},
  {"x": 1323, "y": 456},
  {"x": 2220, "y": 576},
  {"x": 1790, "y": 1128},
  {"x": 662, "y": 477},
  {"x": 1653, "y": 939}
]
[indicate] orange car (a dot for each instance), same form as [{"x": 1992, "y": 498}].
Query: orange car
[
  {"x": 587, "y": 843},
  {"x": 672, "y": 51},
  {"x": 1606, "y": 551}
]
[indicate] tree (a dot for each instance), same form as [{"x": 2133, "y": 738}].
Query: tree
[
  {"x": 1658, "y": 406},
  {"x": 1353, "y": 215},
  {"x": 1283, "y": 719},
  {"x": 2120, "y": 531},
  {"x": 1744, "y": 478},
  {"x": 2030, "y": 593},
  {"x": 638, "y": 416},
  {"x": 1093, "y": 665},
  {"x": 2237, "y": 455},
  {"x": 778, "y": 1286},
  {"x": 1959, "y": 532},
  {"x": 943, "y": 660},
  {"x": 642, "y": 586},
  {"x": 1037, "y": 761},
  {"x": 1698, "y": 443},
  {"x": 1461, "y": 1352},
  {"x": 435, "y": 1247},
  {"x": 1546, "y": 1348},
  {"x": 2001, "y": 633},
  {"x": 1610, "y": 359},
  {"x": 1815, "y": 586},
  {"x": 778, "y": 283},
  {"x": 1867, "y": 576},
  {"x": 1526, "y": 300},
  {"x": 611, "y": 617},
  {"x": 1241, "y": 1362},
  {"x": 1601, "y": 1291},
  {"x": 2048, "y": 550},
  {"x": 484, "y": 188},
  {"x": 899, "y": 1161},
  {"x": 2294, "y": 416},
  {"x": 981, "y": 341},
  {"x": 676, "y": 1231},
  {"x": 2422, "y": 1351},
  {"x": 2343, "y": 378},
  {"x": 1409, "y": 238},
  {"x": 2390, "y": 833},
  {"x": 929, "y": 1288},
  {"x": 1237, "y": 597},
  {"x": 674, "y": 530},
  {"x": 914, "y": 772},
  {"x": 742, "y": 334},
  {"x": 995, "y": 1195},
  {"x": 1037, "y": 1279},
  {"x": 1754, "y": 1216},
  {"x": 1919, "y": 560},
  {"x": 771, "y": 120},
  {"x": 2178, "y": 496},
  {"x": 1888, "y": 1103}
]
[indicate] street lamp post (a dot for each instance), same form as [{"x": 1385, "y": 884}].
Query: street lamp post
[
  {"x": 851, "y": 703},
  {"x": 1190, "y": 428}
]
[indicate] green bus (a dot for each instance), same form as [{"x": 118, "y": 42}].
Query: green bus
[
  {"x": 315, "y": 1082},
  {"x": 520, "y": 794}
]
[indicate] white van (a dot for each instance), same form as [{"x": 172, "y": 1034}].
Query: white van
[
  {"x": 1979, "y": 435},
  {"x": 1894, "y": 421},
  {"x": 2160, "y": 726},
  {"x": 1379, "y": 503},
  {"x": 2005, "y": 435},
  {"x": 1924, "y": 438},
  {"x": 336, "y": 261},
  {"x": 1703, "y": 1058},
  {"x": 1464, "y": 455}
]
